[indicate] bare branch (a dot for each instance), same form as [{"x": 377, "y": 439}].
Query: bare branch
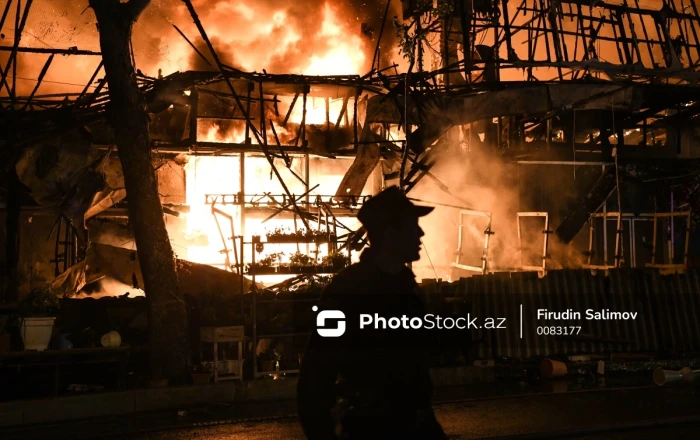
[{"x": 135, "y": 7}]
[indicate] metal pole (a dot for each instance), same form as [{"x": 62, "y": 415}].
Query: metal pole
[
  {"x": 241, "y": 187},
  {"x": 194, "y": 109},
  {"x": 687, "y": 241},
  {"x": 5, "y": 12},
  {"x": 605, "y": 229},
  {"x": 520, "y": 240},
  {"x": 255, "y": 315},
  {"x": 671, "y": 241},
  {"x": 307, "y": 183},
  {"x": 546, "y": 242},
  {"x": 247, "y": 126}
]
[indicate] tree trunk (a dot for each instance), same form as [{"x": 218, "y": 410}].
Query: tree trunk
[{"x": 126, "y": 113}]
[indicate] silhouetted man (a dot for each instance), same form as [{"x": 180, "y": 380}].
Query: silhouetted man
[{"x": 372, "y": 383}]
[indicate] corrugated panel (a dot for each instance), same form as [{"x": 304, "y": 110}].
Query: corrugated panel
[
  {"x": 682, "y": 302},
  {"x": 668, "y": 310}
]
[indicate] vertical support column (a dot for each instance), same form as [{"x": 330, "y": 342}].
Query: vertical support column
[
  {"x": 495, "y": 54},
  {"x": 240, "y": 358},
  {"x": 687, "y": 241},
  {"x": 446, "y": 27},
  {"x": 74, "y": 244},
  {"x": 671, "y": 238},
  {"x": 18, "y": 36},
  {"x": 633, "y": 245},
  {"x": 328, "y": 124},
  {"x": 499, "y": 134},
  {"x": 194, "y": 114},
  {"x": 247, "y": 125},
  {"x": 618, "y": 240},
  {"x": 605, "y": 229},
  {"x": 591, "y": 233},
  {"x": 255, "y": 311},
  {"x": 520, "y": 240},
  {"x": 458, "y": 253},
  {"x": 653, "y": 241},
  {"x": 307, "y": 183},
  {"x": 57, "y": 254},
  {"x": 485, "y": 253},
  {"x": 242, "y": 279},
  {"x": 354, "y": 118},
  {"x": 546, "y": 242},
  {"x": 67, "y": 249},
  {"x": 465, "y": 18},
  {"x": 542, "y": 267},
  {"x": 261, "y": 126},
  {"x": 303, "y": 116},
  {"x": 241, "y": 194}
]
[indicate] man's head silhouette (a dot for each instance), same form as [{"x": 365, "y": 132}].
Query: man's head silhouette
[{"x": 391, "y": 221}]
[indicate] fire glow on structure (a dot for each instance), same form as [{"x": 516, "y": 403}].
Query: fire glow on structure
[
  {"x": 338, "y": 51},
  {"x": 221, "y": 175}
]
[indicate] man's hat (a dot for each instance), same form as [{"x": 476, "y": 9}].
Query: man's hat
[{"x": 391, "y": 204}]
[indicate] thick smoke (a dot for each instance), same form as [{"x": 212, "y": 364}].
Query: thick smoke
[{"x": 480, "y": 181}]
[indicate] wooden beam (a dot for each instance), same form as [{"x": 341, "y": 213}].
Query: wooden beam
[
  {"x": 74, "y": 51},
  {"x": 289, "y": 112},
  {"x": 201, "y": 55},
  {"x": 38, "y": 82}
]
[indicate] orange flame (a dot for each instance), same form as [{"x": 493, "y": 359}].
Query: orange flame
[{"x": 345, "y": 56}]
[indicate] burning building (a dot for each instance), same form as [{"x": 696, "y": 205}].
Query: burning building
[{"x": 550, "y": 135}]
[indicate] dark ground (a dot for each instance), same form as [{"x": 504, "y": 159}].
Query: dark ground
[{"x": 635, "y": 412}]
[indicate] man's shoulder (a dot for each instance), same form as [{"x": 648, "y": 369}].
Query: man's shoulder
[
  {"x": 355, "y": 275},
  {"x": 347, "y": 287}
]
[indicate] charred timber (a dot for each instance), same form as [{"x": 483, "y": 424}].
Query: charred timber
[
  {"x": 670, "y": 13},
  {"x": 597, "y": 195},
  {"x": 69, "y": 51}
]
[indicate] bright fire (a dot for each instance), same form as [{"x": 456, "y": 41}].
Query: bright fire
[
  {"x": 281, "y": 36},
  {"x": 310, "y": 38},
  {"x": 221, "y": 175},
  {"x": 345, "y": 56},
  {"x": 341, "y": 53}
]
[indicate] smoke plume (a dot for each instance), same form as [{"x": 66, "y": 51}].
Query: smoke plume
[{"x": 480, "y": 181}]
